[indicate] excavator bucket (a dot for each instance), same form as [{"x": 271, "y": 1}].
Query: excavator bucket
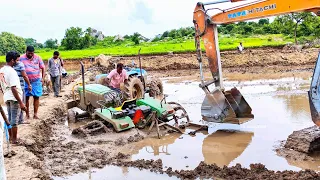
[
  {"x": 314, "y": 94},
  {"x": 226, "y": 107}
]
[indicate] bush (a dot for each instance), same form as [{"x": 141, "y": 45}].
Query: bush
[
  {"x": 9, "y": 42},
  {"x": 75, "y": 38}
]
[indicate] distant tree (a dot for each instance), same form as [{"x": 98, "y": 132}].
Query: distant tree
[
  {"x": 183, "y": 32},
  {"x": 126, "y": 37},
  {"x": 298, "y": 18},
  {"x": 247, "y": 29},
  {"x": 51, "y": 43},
  {"x": 156, "y": 39},
  {"x": 136, "y": 38},
  {"x": 72, "y": 38},
  {"x": 172, "y": 33},
  {"x": 165, "y": 34},
  {"x": 230, "y": 27},
  {"x": 75, "y": 38},
  {"x": 88, "y": 40},
  {"x": 242, "y": 23},
  {"x": 32, "y": 42},
  {"x": 9, "y": 41},
  {"x": 263, "y": 21}
]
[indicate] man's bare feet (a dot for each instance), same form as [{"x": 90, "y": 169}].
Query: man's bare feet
[{"x": 35, "y": 117}]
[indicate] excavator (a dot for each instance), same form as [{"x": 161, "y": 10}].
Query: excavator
[{"x": 219, "y": 105}]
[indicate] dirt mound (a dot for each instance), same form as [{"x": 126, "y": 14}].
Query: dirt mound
[
  {"x": 152, "y": 165},
  {"x": 306, "y": 140},
  {"x": 263, "y": 57},
  {"x": 92, "y": 128},
  {"x": 256, "y": 171},
  {"x": 134, "y": 138}
]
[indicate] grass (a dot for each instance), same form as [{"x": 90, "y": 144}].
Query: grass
[{"x": 176, "y": 46}]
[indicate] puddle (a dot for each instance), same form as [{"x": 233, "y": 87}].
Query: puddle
[
  {"x": 186, "y": 152},
  {"x": 114, "y": 172},
  {"x": 73, "y": 125},
  {"x": 279, "y": 108}
]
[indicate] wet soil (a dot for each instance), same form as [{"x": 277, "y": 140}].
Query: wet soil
[
  {"x": 58, "y": 153},
  {"x": 51, "y": 151},
  {"x": 262, "y": 63}
]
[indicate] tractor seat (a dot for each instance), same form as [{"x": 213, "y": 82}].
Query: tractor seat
[{"x": 127, "y": 104}]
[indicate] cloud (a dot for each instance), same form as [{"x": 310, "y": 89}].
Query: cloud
[
  {"x": 142, "y": 12},
  {"x": 44, "y": 19}
]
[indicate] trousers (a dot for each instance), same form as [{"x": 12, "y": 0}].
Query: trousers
[{"x": 55, "y": 85}]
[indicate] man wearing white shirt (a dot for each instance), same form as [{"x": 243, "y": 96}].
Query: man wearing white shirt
[
  {"x": 240, "y": 48},
  {"x": 12, "y": 94}
]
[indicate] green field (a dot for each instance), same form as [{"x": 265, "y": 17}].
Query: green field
[{"x": 149, "y": 48}]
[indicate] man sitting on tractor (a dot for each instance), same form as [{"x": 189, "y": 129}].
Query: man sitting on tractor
[{"x": 116, "y": 77}]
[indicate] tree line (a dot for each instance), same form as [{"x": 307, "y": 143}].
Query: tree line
[{"x": 294, "y": 25}]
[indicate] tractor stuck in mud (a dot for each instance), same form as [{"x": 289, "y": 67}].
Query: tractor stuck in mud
[{"x": 123, "y": 112}]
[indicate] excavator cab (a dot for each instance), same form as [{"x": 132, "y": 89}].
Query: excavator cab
[{"x": 314, "y": 94}]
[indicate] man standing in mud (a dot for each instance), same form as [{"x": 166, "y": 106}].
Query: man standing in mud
[
  {"x": 35, "y": 70},
  {"x": 12, "y": 94},
  {"x": 20, "y": 69},
  {"x": 116, "y": 77},
  {"x": 55, "y": 69}
]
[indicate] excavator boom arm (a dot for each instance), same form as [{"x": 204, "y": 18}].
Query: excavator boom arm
[{"x": 265, "y": 8}]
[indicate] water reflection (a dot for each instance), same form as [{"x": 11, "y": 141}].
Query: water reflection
[
  {"x": 181, "y": 151},
  {"x": 113, "y": 172},
  {"x": 222, "y": 147},
  {"x": 279, "y": 109}
]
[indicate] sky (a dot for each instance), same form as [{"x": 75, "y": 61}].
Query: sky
[{"x": 44, "y": 19}]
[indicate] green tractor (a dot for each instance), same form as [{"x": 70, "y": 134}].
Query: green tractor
[{"x": 101, "y": 102}]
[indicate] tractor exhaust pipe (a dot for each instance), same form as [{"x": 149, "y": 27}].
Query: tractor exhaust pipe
[
  {"x": 83, "y": 84},
  {"x": 142, "y": 78}
]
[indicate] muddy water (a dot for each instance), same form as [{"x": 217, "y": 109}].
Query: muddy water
[
  {"x": 113, "y": 172},
  {"x": 280, "y": 107}
]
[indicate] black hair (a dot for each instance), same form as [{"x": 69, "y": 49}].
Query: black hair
[
  {"x": 119, "y": 65},
  {"x": 30, "y": 49},
  {"x": 56, "y": 53},
  {"x": 12, "y": 55}
]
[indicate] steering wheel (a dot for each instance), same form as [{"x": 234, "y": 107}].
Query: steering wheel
[{"x": 111, "y": 95}]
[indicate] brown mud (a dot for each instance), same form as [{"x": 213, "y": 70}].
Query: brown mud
[
  {"x": 261, "y": 63},
  {"x": 256, "y": 171},
  {"x": 262, "y": 57},
  {"x": 49, "y": 149}
]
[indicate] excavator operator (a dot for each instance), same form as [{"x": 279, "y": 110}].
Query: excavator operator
[{"x": 116, "y": 77}]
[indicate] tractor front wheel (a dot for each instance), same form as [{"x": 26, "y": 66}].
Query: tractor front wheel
[{"x": 155, "y": 88}]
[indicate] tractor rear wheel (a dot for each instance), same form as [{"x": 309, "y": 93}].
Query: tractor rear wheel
[
  {"x": 155, "y": 88},
  {"x": 133, "y": 88}
]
